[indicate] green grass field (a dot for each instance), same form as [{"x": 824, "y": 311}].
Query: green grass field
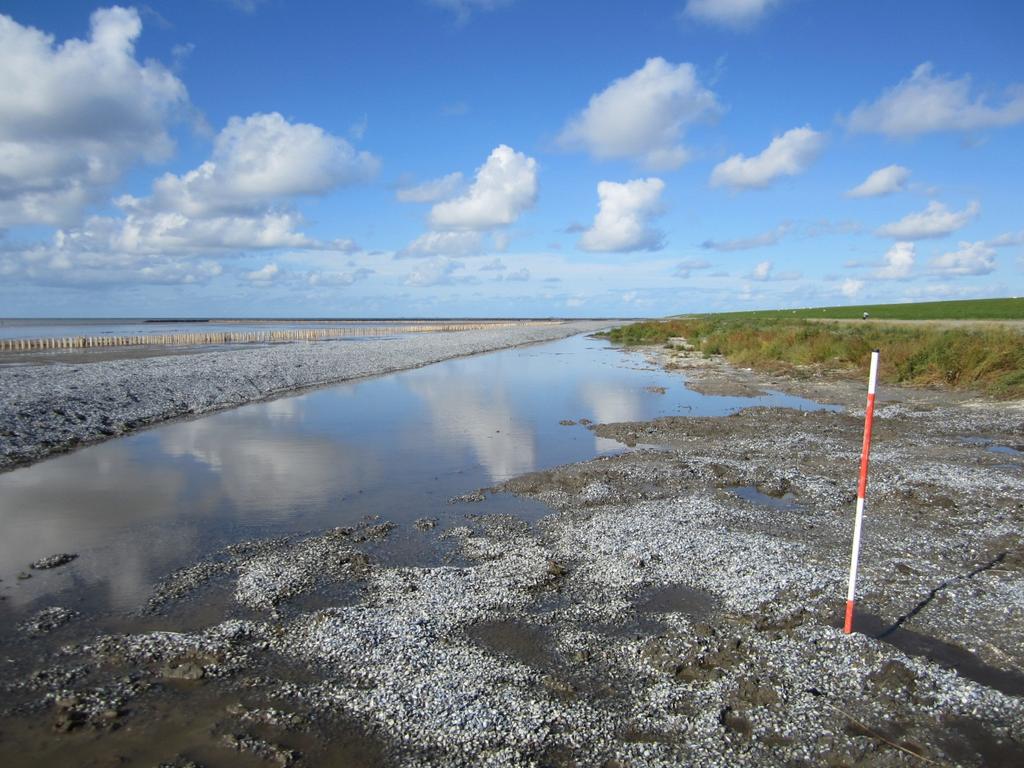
[
  {"x": 972, "y": 309},
  {"x": 987, "y": 359}
]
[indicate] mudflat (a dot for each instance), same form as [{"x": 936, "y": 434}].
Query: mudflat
[{"x": 679, "y": 605}]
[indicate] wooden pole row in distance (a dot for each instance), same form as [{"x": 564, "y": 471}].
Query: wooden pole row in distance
[{"x": 239, "y": 337}]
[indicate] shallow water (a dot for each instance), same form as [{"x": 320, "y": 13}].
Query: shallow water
[
  {"x": 1005, "y": 449},
  {"x": 759, "y": 499},
  {"x": 993, "y": 447},
  {"x": 399, "y": 446}
]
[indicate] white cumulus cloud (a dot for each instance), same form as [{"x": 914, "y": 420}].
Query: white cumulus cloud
[
  {"x": 884, "y": 181},
  {"x": 850, "y": 287},
  {"x": 256, "y": 160},
  {"x": 762, "y": 271},
  {"x": 337, "y": 279},
  {"x": 505, "y": 187},
  {"x": 685, "y": 267},
  {"x": 623, "y": 218},
  {"x": 899, "y": 262},
  {"x": 436, "y": 271},
  {"x": 75, "y": 116},
  {"x": 643, "y": 115},
  {"x": 934, "y": 221},
  {"x": 170, "y": 232},
  {"x": 976, "y": 258},
  {"x": 63, "y": 263},
  {"x": 771, "y": 237},
  {"x": 430, "y": 191},
  {"x": 264, "y": 274},
  {"x": 929, "y": 103},
  {"x": 730, "y": 13},
  {"x": 234, "y": 202},
  {"x": 44, "y": 265},
  {"x": 443, "y": 244},
  {"x": 790, "y": 154},
  {"x": 1007, "y": 238}
]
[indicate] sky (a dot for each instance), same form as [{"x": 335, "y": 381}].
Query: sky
[{"x": 514, "y": 158}]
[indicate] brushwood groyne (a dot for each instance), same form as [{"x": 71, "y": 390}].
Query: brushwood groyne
[{"x": 245, "y": 337}]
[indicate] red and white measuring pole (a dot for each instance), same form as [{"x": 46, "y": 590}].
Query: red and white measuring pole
[{"x": 862, "y": 486}]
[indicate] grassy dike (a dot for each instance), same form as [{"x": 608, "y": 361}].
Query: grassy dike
[
  {"x": 964, "y": 309},
  {"x": 985, "y": 359}
]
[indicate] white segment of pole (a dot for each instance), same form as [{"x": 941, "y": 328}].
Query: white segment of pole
[{"x": 858, "y": 520}]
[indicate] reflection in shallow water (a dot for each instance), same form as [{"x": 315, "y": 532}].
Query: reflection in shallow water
[
  {"x": 398, "y": 446},
  {"x": 610, "y": 403},
  {"x": 264, "y": 461},
  {"x": 467, "y": 412},
  {"x": 69, "y": 505}
]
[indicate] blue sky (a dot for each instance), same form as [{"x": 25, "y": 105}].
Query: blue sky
[{"x": 514, "y": 158}]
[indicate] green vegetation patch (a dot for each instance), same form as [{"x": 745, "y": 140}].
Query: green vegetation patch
[
  {"x": 989, "y": 360},
  {"x": 972, "y": 309}
]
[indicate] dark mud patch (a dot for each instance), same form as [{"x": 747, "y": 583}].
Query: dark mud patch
[
  {"x": 973, "y": 741},
  {"x": 528, "y": 643},
  {"x": 189, "y": 724},
  {"x": 698, "y": 604},
  {"x": 948, "y": 655}
]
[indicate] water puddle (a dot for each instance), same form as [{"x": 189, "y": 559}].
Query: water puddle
[
  {"x": 646, "y": 619},
  {"x": 751, "y": 494},
  {"x": 527, "y": 643},
  {"x": 947, "y": 655},
  {"x": 397, "y": 446},
  {"x": 678, "y": 598},
  {"x": 535, "y": 646},
  {"x": 1006, "y": 450},
  {"x": 993, "y": 447}
]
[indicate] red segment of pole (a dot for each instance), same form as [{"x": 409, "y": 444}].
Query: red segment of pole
[
  {"x": 862, "y": 485},
  {"x": 865, "y": 449},
  {"x": 848, "y": 622}
]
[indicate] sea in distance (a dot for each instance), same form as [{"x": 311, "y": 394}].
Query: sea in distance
[{"x": 59, "y": 327}]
